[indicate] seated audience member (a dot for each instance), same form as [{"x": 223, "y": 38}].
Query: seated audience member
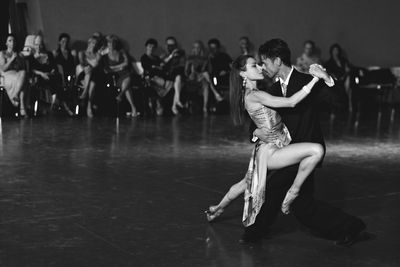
[
  {"x": 13, "y": 73},
  {"x": 28, "y": 48},
  {"x": 197, "y": 75},
  {"x": 65, "y": 60},
  {"x": 154, "y": 73},
  {"x": 116, "y": 62},
  {"x": 309, "y": 57},
  {"x": 44, "y": 70},
  {"x": 102, "y": 42},
  {"x": 174, "y": 61},
  {"x": 339, "y": 68},
  {"x": 219, "y": 63},
  {"x": 91, "y": 70},
  {"x": 247, "y": 48}
]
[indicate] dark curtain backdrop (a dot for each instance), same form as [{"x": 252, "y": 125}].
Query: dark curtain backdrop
[{"x": 4, "y": 19}]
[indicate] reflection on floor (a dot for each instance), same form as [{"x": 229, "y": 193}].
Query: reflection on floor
[{"x": 79, "y": 192}]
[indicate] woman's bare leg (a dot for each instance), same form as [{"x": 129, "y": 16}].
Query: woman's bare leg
[
  {"x": 177, "y": 96},
  {"x": 20, "y": 91},
  {"x": 205, "y": 96},
  {"x": 124, "y": 87},
  {"x": 235, "y": 191},
  {"x": 348, "y": 91},
  {"x": 207, "y": 78},
  {"x": 307, "y": 154},
  {"x": 22, "y": 109},
  {"x": 128, "y": 95},
  {"x": 89, "y": 111},
  {"x": 86, "y": 82}
]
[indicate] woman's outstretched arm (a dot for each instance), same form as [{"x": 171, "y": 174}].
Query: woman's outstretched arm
[{"x": 280, "y": 102}]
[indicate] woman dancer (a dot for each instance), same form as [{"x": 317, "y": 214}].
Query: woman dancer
[{"x": 277, "y": 152}]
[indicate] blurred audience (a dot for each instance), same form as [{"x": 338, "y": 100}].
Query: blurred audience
[
  {"x": 197, "y": 75},
  {"x": 44, "y": 70},
  {"x": 92, "y": 73},
  {"x": 309, "y": 56},
  {"x": 13, "y": 73},
  {"x": 66, "y": 79},
  {"x": 155, "y": 75},
  {"x": 339, "y": 68},
  {"x": 219, "y": 63},
  {"x": 174, "y": 61},
  {"x": 247, "y": 48},
  {"x": 66, "y": 64},
  {"x": 117, "y": 63}
]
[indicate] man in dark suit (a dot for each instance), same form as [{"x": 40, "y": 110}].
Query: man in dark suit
[{"x": 303, "y": 124}]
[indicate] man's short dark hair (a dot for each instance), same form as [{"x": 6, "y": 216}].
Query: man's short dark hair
[
  {"x": 276, "y": 48},
  {"x": 151, "y": 41},
  {"x": 64, "y": 35},
  {"x": 214, "y": 41}
]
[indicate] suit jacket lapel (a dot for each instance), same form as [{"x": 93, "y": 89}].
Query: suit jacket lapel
[
  {"x": 293, "y": 84},
  {"x": 275, "y": 89}
]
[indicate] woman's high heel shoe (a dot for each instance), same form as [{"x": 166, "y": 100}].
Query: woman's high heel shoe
[
  {"x": 213, "y": 212},
  {"x": 289, "y": 198}
]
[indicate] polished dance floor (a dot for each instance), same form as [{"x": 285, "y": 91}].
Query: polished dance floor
[{"x": 80, "y": 192}]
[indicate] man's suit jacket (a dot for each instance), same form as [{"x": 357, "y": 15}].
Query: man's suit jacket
[{"x": 302, "y": 121}]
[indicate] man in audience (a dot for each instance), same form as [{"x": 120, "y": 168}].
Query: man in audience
[
  {"x": 219, "y": 63},
  {"x": 158, "y": 83}
]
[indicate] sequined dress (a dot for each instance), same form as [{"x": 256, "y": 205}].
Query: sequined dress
[{"x": 278, "y": 136}]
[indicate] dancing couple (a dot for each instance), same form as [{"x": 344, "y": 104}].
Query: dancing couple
[{"x": 289, "y": 141}]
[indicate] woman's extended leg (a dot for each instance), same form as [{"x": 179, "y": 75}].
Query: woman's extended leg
[
  {"x": 307, "y": 154},
  {"x": 235, "y": 191}
]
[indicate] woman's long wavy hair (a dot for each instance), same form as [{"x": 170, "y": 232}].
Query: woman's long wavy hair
[{"x": 236, "y": 90}]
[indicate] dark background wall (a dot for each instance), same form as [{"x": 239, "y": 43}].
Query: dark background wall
[{"x": 367, "y": 30}]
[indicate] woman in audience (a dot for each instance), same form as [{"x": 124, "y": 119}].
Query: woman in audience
[
  {"x": 154, "y": 72},
  {"x": 338, "y": 66},
  {"x": 65, "y": 60},
  {"x": 13, "y": 73},
  {"x": 90, "y": 69},
  {"x": 116, "y": 62},
  {"x": 309, "y": 57},
  {"x": 195, "y": 70},
  {"x": 103, "y": 48},
  {"x": 44, "y": 70},
  {"x": 247, "y": 48},
  {"x": 174, "y": 61}
]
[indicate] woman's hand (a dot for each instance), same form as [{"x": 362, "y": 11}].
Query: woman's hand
[
  {"x": 317, "y": 70},
  {"x": 45, "y": 76}
]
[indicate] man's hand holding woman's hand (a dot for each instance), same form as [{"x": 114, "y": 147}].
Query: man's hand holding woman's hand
[{"x": 318, "y": 71}]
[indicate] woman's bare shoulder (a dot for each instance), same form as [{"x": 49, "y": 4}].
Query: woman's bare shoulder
[{"x": 252, "y": 98}]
